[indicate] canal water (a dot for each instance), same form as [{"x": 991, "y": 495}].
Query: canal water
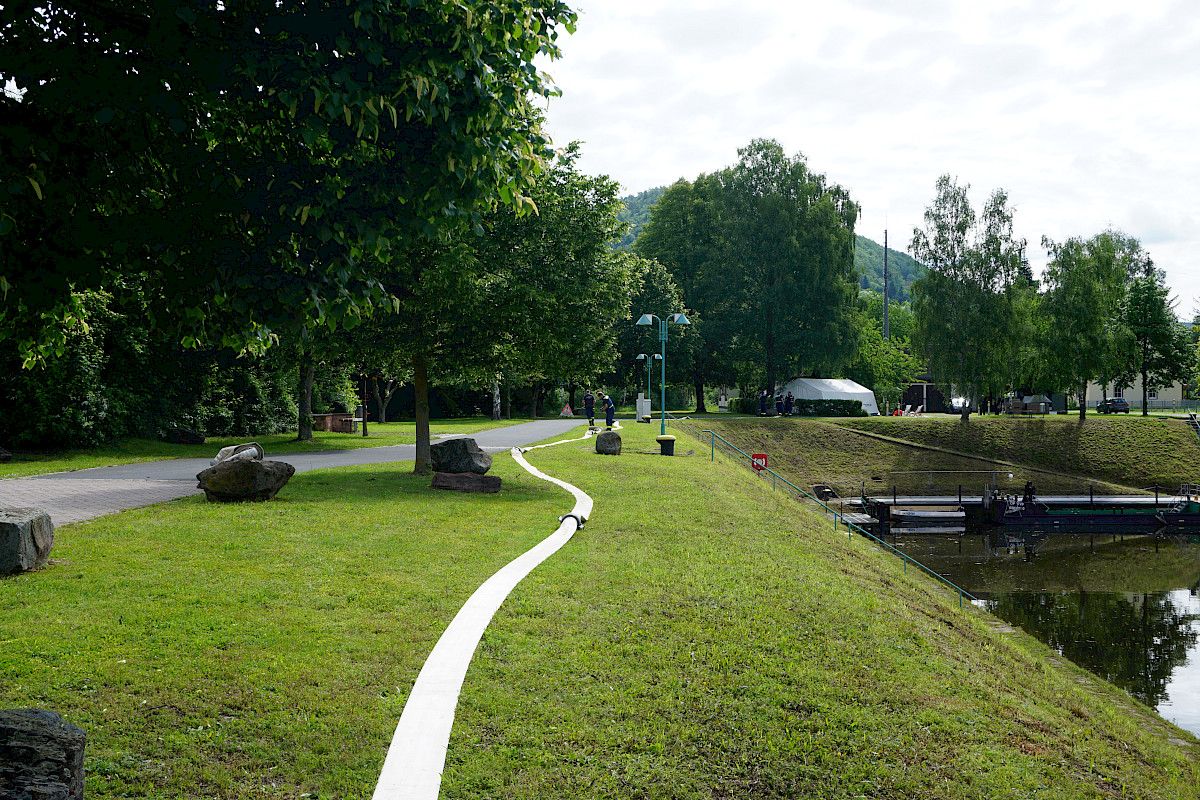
[{"x": 1117, "y": 608}]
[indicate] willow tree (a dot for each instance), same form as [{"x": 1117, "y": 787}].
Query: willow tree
[
  {"x": 964, "y": 306},
  {"x": 1084, "y": 284}
]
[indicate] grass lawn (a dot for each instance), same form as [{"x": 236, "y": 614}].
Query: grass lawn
[
  {"x": 700, "y": 638},
  {"x": 131, "y": 450}
]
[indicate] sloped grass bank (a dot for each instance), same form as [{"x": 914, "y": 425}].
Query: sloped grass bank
[
  {"x": 1131, "y": 450},
  {"x": 808, "y": 452},
  {"x": 700, "y": 638}
]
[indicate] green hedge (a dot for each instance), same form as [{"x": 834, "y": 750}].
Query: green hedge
[{"x": 803, "y": 408}]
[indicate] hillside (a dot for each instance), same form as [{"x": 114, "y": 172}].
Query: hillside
[
  {"x": 637, "y": 214},
  {"x": 868, "y": 261}
]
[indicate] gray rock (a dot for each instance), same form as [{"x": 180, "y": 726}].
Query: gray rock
[
  {"x": 235, "y": 480},
  {"x": 5, "y": 456},
  {"x": 466, "y": 482},
  {"x": 26, "y": 536},
  {"x": 459, "y": 455},
  {"x": 608, "y": 443},
  {"x": 41, "y": 756}
]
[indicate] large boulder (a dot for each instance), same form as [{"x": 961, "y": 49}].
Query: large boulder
[
  {"x": 237, "y": 479},
  {"x": 466, "y": 482},
  {"x": 459, "y": 455},
  {"x": 41, "y": 756},
  {"x": 26, "y": 536},
  {"x": 608, "y": 443}
]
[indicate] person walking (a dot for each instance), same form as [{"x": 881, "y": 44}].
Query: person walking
[
  {"x": 762, "y": 403},
  {"x": 779, "y": 405},
  {"x": 789, "y": 403},
  {"x": 610, "y": 410},
  {"x": 589, "y": 407}
]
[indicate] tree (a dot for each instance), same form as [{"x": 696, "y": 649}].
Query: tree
[
  {"x": 884, "y": 365},
  {"x": 789, "y": 246},
  {"x": 1159, "y": 350},
  {"x": 537, "y": 295},
  {"x": 1080, "y": 309},
  {"x": 685, "y": 236},
  {"x": 249, "y": 166},
  {"x": 963, "y": 306},
  {"x": 656, "y": 293}
]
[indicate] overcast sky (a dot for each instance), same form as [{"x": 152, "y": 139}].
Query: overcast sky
[{"x": 1086, "y": 113}]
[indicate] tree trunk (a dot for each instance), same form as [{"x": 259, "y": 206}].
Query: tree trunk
[
  {"x": 571, "y": 388},
  {"x": 1083, "y": 401},
  {"x": 1145, "y": 392},
  {"x": 421, "y": 396},
  {"x": 700, "y": 407},
  {"x": 308, "y": 372},
  {"x": 496, "y": 400},
  {"x": 507, "y": 401},
  {"x": 380, "y": 404},
  {"x": 533, "y": 400}
]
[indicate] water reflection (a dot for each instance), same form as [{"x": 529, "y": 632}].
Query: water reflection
[
  {"x": 1135, "y": 641},
  {"x": 1117, "y": 608}
]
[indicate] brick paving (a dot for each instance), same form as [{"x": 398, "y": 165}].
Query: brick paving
[{"x": 69, "y": 500}]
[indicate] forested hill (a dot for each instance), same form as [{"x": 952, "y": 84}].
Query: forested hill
[
  {"x": 868, "y": 260},
  {"x": 637, "y": 213},
  {"x": 868, "y": 254}
]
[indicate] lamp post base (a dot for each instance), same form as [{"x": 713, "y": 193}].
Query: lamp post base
[{"x": 666, "y": 445}]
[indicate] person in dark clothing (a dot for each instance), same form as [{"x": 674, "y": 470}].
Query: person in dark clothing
[
  {"x": 779, "y": 405},
  {"x": 589, "y": 407},
  {"x": 789, "y": 403},
  {"x": 762, "y": 403},
  {"x": 610, "y": 410}
]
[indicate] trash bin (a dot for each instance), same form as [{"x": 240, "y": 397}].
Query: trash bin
[{"x": 666, "y": 445}]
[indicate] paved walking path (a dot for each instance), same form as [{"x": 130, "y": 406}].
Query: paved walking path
[{"x": 89, "y": 493}]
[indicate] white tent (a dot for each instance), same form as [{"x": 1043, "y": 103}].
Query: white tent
[{"x": 832, "y": 389}]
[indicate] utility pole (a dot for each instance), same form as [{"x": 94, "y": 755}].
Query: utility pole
[{"x": 885, "y": 286}]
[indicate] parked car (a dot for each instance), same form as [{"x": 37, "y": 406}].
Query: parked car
[{"x": 1113, "y": 405}]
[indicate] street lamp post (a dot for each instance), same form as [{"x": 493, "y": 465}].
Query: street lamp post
[
  {"x": 650, "y": 319},
  {"x": 648, "y": 360}
]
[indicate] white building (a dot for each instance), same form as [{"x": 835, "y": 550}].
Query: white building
[{"x": 1166, "y": 397}]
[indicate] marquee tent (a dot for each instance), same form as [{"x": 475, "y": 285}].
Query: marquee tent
[{"x": 832, "y": 389}]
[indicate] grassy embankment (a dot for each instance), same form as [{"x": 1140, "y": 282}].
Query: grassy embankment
[
  {"x": 132, "y": 450},
  {"x": 701, "y": 637},
  {"x": 1058, "y": 454}
]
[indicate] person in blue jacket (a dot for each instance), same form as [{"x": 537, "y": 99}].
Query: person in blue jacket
[{"x": 609, "y": 410}]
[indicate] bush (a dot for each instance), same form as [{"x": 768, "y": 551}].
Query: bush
[{"x": 803, "y": 408}]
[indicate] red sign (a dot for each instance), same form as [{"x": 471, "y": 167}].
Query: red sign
[{"x": 759, "y": 460}]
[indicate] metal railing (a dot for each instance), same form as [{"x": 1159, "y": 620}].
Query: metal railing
[{"x": 779, "y": 482}]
